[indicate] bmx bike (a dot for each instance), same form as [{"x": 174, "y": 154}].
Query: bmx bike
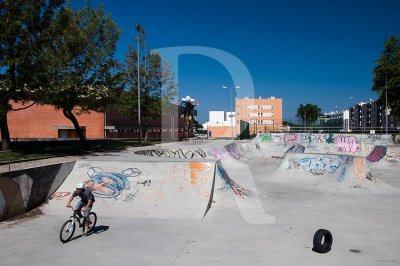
[
  {"x": 187, "y": 116},
  {"x": 68, "y": 228}
]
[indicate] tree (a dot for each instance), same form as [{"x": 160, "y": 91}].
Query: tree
[
  {"x": 83, "y": 72},
  {"x": 24, "y": 39},
  {"x": 388, "y": 68},
  {"x": 157, "y": 83},
  {"x": 308, "y": 113}
]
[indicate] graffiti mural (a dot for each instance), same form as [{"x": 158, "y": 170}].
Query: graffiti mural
[
  {"x": 199, "y": 153},
  {"x": 195, "y": 169},
  {"x": 232, "y": 149},
  {"x": 377, "y": 154},
  {"x": 319, "y": 138},
  {"x": 218, "y": 154},
  {"x": 60, "y": 195},
  {"x": 374, "y": 137},
  {"x": 109, "y": 184},
  {"x": 315, "y": 165},
  {"x": 266, "y": 137},
  {"x": 290, "y": 137},
  {"x": 347, "y": 144},
  {"x": 393, "y": 156},
  {"x": 297, "y": 148},
  {"x": 228, "y": 183},
  {"x": 361, "y": 170}
]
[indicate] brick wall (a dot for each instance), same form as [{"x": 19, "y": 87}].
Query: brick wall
[{"x": 44, "y": 121}]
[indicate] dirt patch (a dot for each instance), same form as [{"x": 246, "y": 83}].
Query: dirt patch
[{"x": 24, "y": 217}]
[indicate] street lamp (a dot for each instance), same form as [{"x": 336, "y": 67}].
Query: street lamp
[
  {"x": 386, "y": 109},
  {"x": 344, "y": 113},
  {"x": 231, "y": 88},
  {"x": 139, "y": 29}
]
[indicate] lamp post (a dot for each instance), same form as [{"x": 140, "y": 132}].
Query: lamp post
[
  {"x": 231, "y": 88},
  {"x": 344, "y": 113},
  {"x": 386, "y": 108},
  {"x": 139, "y": 29}
]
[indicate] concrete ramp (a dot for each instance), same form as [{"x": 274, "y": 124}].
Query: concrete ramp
[
  {"x": 24, "y": 190},
  {"x": 384, "y": 157},
  {"x": 165, "y": 190},
  {"x": 331, "y": 172}
]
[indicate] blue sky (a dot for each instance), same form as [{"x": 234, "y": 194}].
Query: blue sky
[{"x": 319, "y": 52}]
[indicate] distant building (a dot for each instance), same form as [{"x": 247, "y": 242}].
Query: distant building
[
  {"x": 362, "y": 117},
  {"x": 262, "y": 115},
  {"x": 45, "y": 122},
  {"x": 220, "y": 124},
  {"x": 365, "y": 116}
]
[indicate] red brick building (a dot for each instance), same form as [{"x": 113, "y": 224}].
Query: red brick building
[{"x": 45, "y": 122}]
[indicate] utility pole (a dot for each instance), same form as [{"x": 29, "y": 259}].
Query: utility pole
[
  {"x": 139, "y": 29},
  {"x": 386, "y": 108}
]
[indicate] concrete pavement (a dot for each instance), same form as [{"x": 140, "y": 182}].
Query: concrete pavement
[{"x": 256, "y": 220}]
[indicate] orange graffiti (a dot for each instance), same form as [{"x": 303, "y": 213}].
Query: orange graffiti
[
  {"x": 60, "y": 195},
  {"x": 360, "y": 170},
  {"x": 196, "y": 168}
]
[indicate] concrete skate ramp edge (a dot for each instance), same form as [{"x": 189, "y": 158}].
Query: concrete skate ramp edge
[
  {"x": 383, "y": 157},
  {"x": 155, "y": 189},
  {"x": 338, "y": 172},
  {"x": 24, "y": 190},
  {"x": 275, "y": 144}
]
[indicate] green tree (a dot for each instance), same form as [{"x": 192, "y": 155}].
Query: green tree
[
  {"x": 83, "y": 72},
  {"x": 308, "y": 113},
  {"x": 157, "y": 83},
  {"x": 388, "y": 68},
  {"x": 24, "y": 40}
]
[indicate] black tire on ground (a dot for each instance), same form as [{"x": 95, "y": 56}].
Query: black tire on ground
[
  {"x": 93, "y": 221},
  {"x": 322, "y": 241},
  {"x": 66, "y": 231}
]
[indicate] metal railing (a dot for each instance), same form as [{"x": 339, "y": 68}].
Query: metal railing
[{"x": 8, "y": 152}]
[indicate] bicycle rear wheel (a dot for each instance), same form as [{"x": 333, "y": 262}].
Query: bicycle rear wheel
[
  {"x": 93, "y": 220},
  {"x": 67, "y": 231}
]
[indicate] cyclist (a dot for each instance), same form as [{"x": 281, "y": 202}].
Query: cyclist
[
  {"x": 189, "y": 105},
  {"x": 85, "y": 204}
]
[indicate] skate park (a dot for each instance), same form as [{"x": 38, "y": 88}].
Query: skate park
[{"x": 256, "y": 202}]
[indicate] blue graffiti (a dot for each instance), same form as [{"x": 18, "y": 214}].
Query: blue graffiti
[{"x": 319, "y": 165}]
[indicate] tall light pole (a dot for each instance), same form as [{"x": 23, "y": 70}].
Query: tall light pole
[
  {"x": 231, "y": 88},
  {"x": 344, "y": 113},
  {"x": 139, "y": 29},
  {"x": 386, "y": 108}
]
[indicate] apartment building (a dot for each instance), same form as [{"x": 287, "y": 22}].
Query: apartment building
[{"x": 262, "y": 114}]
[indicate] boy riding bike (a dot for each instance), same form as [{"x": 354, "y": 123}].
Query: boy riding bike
[
  {"x": 188, "y": 104},
  {"x": 85, "y": 204}
]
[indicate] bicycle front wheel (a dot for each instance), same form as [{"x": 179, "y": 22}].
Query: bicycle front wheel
[{"x": 67, "y": 231}]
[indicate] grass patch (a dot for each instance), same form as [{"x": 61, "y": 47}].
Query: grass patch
[{"x": 28, "y": 150}]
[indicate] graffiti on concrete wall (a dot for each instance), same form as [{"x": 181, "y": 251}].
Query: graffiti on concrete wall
[
  {"x": 266, "y": 137},
  {"x": 374, "y": 137},
  {"x": 218, "y": 154},
  {"x": 60, "y": 195},
  {"x": 319, "y": 138},
  {"x": 315, "y": 165},
  {"x": 377, "y": 154},
  {"x": 347, "y": 144},
  {"x": 361, "y": 170},
  {"x": 24, "y": 190},
  {"x": 292, "y": 137},
  {"x": 228, "y": 183},
  {"x": 110, "y": 184},
  {"x": 234, "y": 151},
  {"x": 393, "y": 155},
  {"x": 199, "y": 153},
  {"x": 296, "y": 148}
]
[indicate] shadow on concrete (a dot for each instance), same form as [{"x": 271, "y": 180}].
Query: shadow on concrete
[{"x": 99, "y": 229}]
